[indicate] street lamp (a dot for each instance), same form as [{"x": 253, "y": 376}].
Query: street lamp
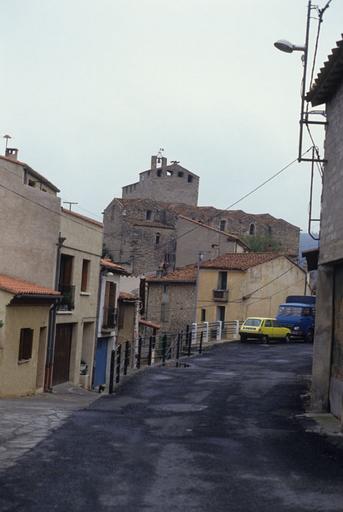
[{"x": 285, "y": 46}]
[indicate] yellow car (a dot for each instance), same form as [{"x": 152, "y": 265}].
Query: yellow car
[{"x": 263, "y": 329}]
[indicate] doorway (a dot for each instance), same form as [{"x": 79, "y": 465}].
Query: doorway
[{"x": 64, "y": 334}]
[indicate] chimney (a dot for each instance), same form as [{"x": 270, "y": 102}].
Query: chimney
[
  {"x": 12, "y": 153},
  {"x": 153, "y": 161}
]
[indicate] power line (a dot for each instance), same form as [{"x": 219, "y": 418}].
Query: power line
[
  {"x": 283, "y": 169},
  {"x": 47, "y": 208}
]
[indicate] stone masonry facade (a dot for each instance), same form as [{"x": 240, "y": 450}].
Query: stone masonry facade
[
  {"x": 147, "y": 229},
  {"x": 171, "y": 183}
]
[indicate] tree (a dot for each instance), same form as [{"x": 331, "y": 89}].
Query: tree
[{"x": 262, "y": 243}]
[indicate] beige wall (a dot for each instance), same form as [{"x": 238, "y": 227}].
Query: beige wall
[
  {"x": 264, "y": 287},
  {"x": 20, "y": 378},
  {"x": 193, "y": 239},
  {"x": 83, "y": 241},
  {"x": 29, "y": 226}
]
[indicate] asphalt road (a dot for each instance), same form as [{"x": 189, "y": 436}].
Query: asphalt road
[{"x": 220, "y": 435}]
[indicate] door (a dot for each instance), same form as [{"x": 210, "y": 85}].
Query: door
[
  {"x": 62, "y": 353},
  {"x": 100, "y": 362}
]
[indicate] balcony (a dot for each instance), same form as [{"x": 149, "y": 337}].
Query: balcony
[
  {"x": 68, "y": 296},
  {"x": 109, "y": 319},
  {"x": 220, "y": 295}
]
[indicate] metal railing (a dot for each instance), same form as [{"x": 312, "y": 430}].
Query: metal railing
[
  {"x": 220, "y": 295},
  {"x": 168, "y": 349},
  {"x": 68, "y": 298}
]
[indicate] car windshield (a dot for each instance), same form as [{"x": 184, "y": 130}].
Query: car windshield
[
  {"x": 252, "y": 322},
  {"x": 289, "y": 311}
]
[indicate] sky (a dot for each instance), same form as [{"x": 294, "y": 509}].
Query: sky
[{"x": 91, "y": 89}]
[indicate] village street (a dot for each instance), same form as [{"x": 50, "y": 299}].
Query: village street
[{"x": 219, "y": 435}]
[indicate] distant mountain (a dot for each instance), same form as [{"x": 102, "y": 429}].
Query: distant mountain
[{"x": 306, "y": 243}]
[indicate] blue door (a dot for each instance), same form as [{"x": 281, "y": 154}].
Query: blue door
[{"x": 100, "y": 362}]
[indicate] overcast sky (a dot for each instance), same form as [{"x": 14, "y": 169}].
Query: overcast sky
[{"x": 90, "y": 89}]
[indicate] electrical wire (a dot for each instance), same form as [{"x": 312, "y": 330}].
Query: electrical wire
[{"x": 283, "y": 169}]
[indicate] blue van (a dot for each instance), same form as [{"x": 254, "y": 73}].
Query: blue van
[{"x": 298, "y": 314}]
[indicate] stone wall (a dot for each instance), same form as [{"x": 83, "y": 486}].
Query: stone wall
[
  {"x": 144, "y": 245},
  {"x": 172, "y": 184},
  {"x": 178, "y": 301}
]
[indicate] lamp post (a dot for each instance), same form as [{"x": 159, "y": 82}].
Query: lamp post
[{"x": 287, "y": 47}]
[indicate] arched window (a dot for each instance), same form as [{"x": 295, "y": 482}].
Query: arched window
[
  {"x": 252, "y": 229},
  {"x": 269, "y": 230},
  {"x": 157, "y": 238}
]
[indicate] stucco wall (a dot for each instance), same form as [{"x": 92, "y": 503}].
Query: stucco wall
[
  {"x": 193, "y": 239},
  {"x": 19, "y": 378},
  {"x": 263, "y": 286},
  {"x": 29, "y": 226},
  {"x": 83, "y": 241}
]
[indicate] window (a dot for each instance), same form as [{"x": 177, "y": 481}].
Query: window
[
  {"x": 252, "y": 229},
  {"x": 252, "y": 322},
  {"x": 32, "y": 183},
  {"x": 169, "y": 173},
  {"x": 25, "y": 344},
  {"x": 159, "y": 172},
  {"x": 222, "y": 280},
  {"x": 148, "y": 215},
  {"x": 190, "y": 178},
  {"x": 157, "y": 238},
  {"x": 221, "y": 313},
  {"x": 222, "y": 225},
  {"x": 268, "y": 323},
  {"x": 203, "y": 315},
  {"x": 85, "y": 275},
  {"x": 180, "y": 174},
  {"x": 269, "y": 230}
]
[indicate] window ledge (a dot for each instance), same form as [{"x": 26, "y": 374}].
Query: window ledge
[
  {"x": 64, "y": 312},
  {"x": 85, "y": 294},
  {"x": 24, "y": 361}
]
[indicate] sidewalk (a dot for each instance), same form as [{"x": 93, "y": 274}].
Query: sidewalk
[{"x": 26, "y": 421}]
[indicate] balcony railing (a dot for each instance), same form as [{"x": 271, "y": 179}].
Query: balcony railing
[
  {"x": 68, "y": 296},
  {"x": 110, "y": 318},
  {"x": 220, "y": 295}
]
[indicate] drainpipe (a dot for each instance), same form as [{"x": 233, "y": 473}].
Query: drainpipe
[
  {"x": 200, "y": 258},
  {"x": 97, "y": 324},
  {"x": 50, "y": 353}
]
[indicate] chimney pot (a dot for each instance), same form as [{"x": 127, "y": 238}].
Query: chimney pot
[{"x": 12, "y": 153}]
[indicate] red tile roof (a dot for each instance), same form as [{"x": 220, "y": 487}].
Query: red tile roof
[
  {"x": 127, "y": 296},
  {"x": 329, "y": 77},
  {"x": 20, "y": 287},
  {"x": 107, "y": 263},
  {"x": 240, "y": 261},
  {"x": 82, "y": 217},
  {"x": 147, "y": 323},
  {"x": 182, "y": 275}
]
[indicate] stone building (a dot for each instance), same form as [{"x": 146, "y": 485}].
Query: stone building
[
  {"x": 157, "y": 224},
  {"x": 170, "y": 183},
  {"x": 230, "y": 287},
  {"x": 327, "y": 384}
]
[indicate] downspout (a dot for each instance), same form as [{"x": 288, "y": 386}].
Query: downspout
[
  {"x": 50, "y": 353},
  {"x": 97, "y": 324}
]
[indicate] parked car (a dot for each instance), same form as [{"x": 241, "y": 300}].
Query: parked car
[
  {"x": 263, "y": 329},
  {"x": 298, "y": 314}
]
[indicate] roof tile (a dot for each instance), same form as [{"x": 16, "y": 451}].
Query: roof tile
[{"x": 21, "y": 287}]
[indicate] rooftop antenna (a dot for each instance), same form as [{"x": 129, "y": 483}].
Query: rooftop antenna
[
  {"x": 6, "y": 137},
  {"x": 70, "y": 203}
]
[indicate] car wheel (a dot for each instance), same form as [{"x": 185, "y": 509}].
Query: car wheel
[
  {"x": 265, "y": 339},
  {"x": 288, "y": 338},
  {"x": 243, "y": 338}
]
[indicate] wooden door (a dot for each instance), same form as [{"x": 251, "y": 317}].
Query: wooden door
[{"x": 62, "y": 353}]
